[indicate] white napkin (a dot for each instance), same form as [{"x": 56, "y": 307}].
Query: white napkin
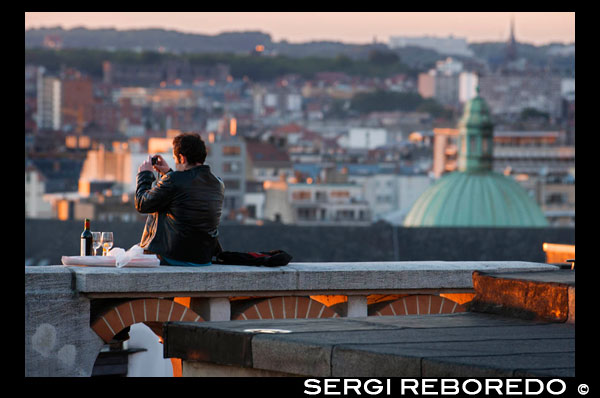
[{"x": 122, "y": 257}]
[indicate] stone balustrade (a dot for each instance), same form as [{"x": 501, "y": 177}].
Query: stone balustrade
[{"x": 71, "y": 312}]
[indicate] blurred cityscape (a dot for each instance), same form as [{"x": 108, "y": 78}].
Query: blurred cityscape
[{"x": 319, "y": 133}]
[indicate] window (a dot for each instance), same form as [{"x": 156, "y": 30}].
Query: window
[
  {"x": 231, "y": 150},
  {"x": 321, "y": 196},
  {"x": 229, "y": 202},
  {"x": 232, "y": 184},
  {"x": 340, "y": 194},
  {"x": 301, "y": 195},
  {"x": 345, "y": 215},
  {"x": 485, "y": 146},
  {"x": 556, "y": 198},
  {"x": 231, "y": 167},
  {"x": 307, "y": 214},
  {"x": 383, "y": 199},
  {"x": 473, "y": 145}
]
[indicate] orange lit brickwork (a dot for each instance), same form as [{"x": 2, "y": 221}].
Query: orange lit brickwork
[
  {"x": 419, "y": 304},
  {"x": 460, "y": 298},
  {"x": 142, "y": 310},
  {"x": 331, "y": 300},
  {"x": 280, "y": 308}
]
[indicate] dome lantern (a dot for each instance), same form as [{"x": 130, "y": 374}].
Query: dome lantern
[{"x": 476, "y": 135}]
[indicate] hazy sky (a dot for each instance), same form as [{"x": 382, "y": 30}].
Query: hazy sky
[{"x": 351, "y": 27}]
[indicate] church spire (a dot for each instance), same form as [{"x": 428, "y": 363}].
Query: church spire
[
  {"x": 512, "y": 28},
  {"x": 511, "y": 45}
]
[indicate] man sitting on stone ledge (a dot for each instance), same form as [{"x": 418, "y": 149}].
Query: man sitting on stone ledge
[{"x": 184, "y": 207}]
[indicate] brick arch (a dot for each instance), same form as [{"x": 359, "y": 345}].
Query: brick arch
[
  {"x": 418, "y": 304},
  {"x": 148, "y": 310},
  {"x": 285, "y": 307}
]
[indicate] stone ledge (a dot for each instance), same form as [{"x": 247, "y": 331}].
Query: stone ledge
[
  {"x": 547, "y": 295},
  {"x": 50, "y": 280},
  {"x": 295, "y": 277}
]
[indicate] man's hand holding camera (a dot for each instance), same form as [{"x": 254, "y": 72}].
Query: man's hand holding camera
[{"x": 155, "y": 162}]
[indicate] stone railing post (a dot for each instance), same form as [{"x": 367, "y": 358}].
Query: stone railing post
[
  {"x": 357, "y": 306},
  {"x": 212, "y": 309}
]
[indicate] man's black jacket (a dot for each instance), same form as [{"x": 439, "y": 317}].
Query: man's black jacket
[{"x": 185, "y": 209}]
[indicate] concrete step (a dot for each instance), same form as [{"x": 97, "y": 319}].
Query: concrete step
[{"x": 544, "y": 295}]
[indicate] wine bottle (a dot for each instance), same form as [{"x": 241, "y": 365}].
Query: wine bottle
[{"x": 86, "y": 239}]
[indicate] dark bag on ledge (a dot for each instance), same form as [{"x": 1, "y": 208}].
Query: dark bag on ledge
[{"x": 273, "y": 258}]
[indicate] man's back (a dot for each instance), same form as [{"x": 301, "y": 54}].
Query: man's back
[{"x": 186, "y": 209}]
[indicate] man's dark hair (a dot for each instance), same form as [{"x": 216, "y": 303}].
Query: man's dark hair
[{"x": 191, "y": 146}]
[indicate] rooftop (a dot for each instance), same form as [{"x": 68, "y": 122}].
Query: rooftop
[{"x": 262, "y": 152}]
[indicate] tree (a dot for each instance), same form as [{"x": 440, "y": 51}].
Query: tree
[
  {"x": 385, "y": 101},
  {"x": 383, "y": 57},
  {"x": 434, "y": 108},
  {"x": 533, "y": 113}
]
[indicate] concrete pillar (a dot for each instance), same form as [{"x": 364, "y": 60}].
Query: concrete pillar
[
  {"x": 58, "y": 339},
  {"x": 212, "y": 309},
  {"x": 357, "y": 306}
]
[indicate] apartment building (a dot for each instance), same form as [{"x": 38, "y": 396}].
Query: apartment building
[
  {"x": 316, "y": 204},
  {"x": 227, "y": 160},
  {"x": 49, "y": 100}
]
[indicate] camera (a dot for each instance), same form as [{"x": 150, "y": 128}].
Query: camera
[{"x": 154, "y": 160}]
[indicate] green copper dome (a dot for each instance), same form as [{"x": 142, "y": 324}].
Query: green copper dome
[
  {"x": 467, "y": 199},
  {"x": 475, "y": 195}
]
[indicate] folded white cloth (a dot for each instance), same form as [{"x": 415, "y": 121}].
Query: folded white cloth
[
  {"x": 123, "y": 257},
  {"x": 117, "y": 257}
]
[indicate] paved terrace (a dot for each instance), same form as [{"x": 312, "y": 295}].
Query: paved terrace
[
  {"x": 71, "y": 312},
  {"x": 534, "y": 338},
  {"x": 453, "y": 345}
]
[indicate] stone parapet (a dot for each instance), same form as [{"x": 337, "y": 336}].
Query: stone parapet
[
  {"x": 71, "y": 312},
  {"x": 299, "y": 278}
]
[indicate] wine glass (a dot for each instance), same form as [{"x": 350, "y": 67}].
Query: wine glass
[
  {"x": 107, "y": 242},
  {"x": 96, "y": 241}
]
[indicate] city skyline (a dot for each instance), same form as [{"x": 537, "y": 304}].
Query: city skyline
[{"x": 536, "y": 28}]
